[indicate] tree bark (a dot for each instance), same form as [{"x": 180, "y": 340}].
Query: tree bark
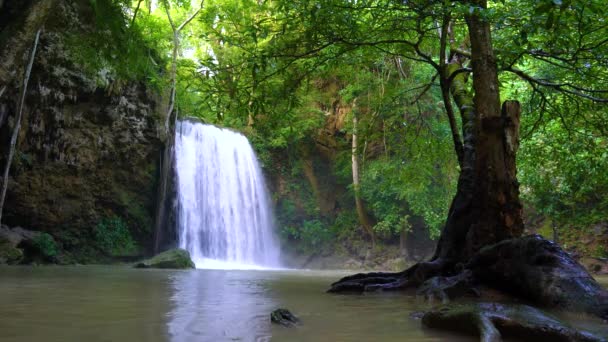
[
  {"x": 9, "y": 159},
  {"x": 496, "y": 192}
]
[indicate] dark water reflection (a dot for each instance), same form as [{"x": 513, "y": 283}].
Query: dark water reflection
[{"x": 121, "y": 304}]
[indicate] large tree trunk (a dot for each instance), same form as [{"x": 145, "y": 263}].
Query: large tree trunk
[{"x": 482, "y": 232}]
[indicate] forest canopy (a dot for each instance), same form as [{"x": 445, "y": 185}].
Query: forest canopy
[{"x": 280, "y": 70}]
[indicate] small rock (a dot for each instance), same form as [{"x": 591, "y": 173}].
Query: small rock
[
  {"x": 417, "y": 315},
  {"x": 284, "y": 317}
]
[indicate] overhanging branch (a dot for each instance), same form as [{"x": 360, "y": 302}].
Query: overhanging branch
[{"x": 563, "y": 87}]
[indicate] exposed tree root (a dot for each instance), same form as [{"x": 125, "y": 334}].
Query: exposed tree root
[
  {"x": 492, "y": 321},
  {"x": 540, "y": 271},
  {"x": 528, "y": 267}
]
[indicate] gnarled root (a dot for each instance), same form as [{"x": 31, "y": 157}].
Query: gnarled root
[
  {"x": 386, "y": 281},
  {"x": 491, "y": 321},
  {"x": 529, "y": 267},
  {"x": 540, "y": 271}
]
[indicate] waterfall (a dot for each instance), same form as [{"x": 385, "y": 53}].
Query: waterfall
[{"x": 224, "y": 213}]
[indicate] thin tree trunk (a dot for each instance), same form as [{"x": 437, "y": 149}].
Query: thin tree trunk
[
  {"x": 403, "y": 242},
  {"x": 361, "y": 212},
  {"x": 11, "y": 152},
  {"x": 176, "y": 32},
  {"x": 135, "y": 13},
  {"x": 173, "y": 80},
  {"x": 445, "y": 88},
  {"x": 555, "y": 232},
  {"x": 2, "y": 90}
]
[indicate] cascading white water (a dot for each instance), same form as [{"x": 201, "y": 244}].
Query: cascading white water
[{"x": 224, "y": 213}]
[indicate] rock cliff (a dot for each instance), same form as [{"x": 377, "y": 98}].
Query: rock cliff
[{"x": 89, "y": 144}]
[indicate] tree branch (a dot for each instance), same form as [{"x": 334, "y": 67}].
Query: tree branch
[
  {"x": 191, "y": 17},
  {"x": 176, "y": 32},
  {"x": 457, "y": 72},
  {"x": 135, "y": 14},
  {"x": 578, "y": 91}
]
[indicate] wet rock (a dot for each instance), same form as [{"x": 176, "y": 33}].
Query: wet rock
[
  {"x": 15, "y": 236},
  {"x": 492, "y": 321},
  {"x": 284, "y": 317},
  {"x": 19, "y": 245},
  {"x": 174, "y": 259}
]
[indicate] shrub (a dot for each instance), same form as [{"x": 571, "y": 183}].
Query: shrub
[
  {"x": 46, "y": 245},
  {"x": 113, "y": 237}
]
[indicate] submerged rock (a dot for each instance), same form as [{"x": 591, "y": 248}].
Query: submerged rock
[
  {"x": 284, "y": 317},
  {"x": 492, "y": 321},
  {"x": 176, "y": 258}
]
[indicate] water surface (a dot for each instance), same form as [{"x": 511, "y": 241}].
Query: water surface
[{"x": 95, "y": 303}]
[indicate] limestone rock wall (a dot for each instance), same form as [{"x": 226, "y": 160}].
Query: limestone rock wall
[{"x": 88, "y": 147}]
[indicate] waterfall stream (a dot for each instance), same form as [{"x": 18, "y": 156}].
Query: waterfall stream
[{"x": 224, "y": 213}]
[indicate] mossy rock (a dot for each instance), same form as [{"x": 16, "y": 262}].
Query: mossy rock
[
  {"x": 9, "y": 254},
  {"x": 174, "y": 258}
]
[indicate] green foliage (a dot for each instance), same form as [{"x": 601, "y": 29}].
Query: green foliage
[
  {"x": 600, "y": 252},
  {"x": 312, "y": 236},
  {"x": 282, "y": 71},
  {"x": 564, "y": 174},
  {"x": 46, "y": 245},
  {"x": 113, "y": 237},
  {"x": 133, "y": 53}
]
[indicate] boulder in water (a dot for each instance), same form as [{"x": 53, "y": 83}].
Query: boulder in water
[
  {"x": 284, "y": 317},
  {"x": 176, "y": 258}
]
